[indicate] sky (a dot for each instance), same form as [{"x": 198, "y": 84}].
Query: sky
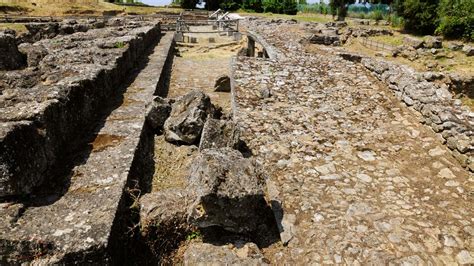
[{"x": 167, "y": 2}]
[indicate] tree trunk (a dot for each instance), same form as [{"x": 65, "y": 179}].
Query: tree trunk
[{"x": 341, "y": 12}]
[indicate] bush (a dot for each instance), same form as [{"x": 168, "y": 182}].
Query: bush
[
  {"x": 254, "y": 5},
  {"x": 456, "y": 19},
  {"x": 289, "y": 7},
  {"x": 396, "y": 21},
  {"x": 377, "y": 15},
  {"x": 188, "y": 4},
  {"x": 229, "y": 5},
  {"x": 420, "y": 16}
]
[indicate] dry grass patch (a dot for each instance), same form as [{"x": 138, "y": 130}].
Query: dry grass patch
[
  {"x": 68, "y": 9},
  {"x": 18, "y": 27},
  {"x": 305, "y": 17}
]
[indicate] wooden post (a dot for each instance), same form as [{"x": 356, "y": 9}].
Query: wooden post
[{"x": 250, "y": 47}]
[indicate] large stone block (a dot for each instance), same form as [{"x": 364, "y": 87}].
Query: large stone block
[
  {"x": 219, "y": 134},
  {"x": 187, "y": 118},
  {"x": 10, "y": 57},
  {"x": 229, "y": 191}
]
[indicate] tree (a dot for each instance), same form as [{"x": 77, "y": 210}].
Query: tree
[
  {"x": 420, "y": 16},
  {"x": 255, "y": 5},
  {"x": 290, "y": 7},
  {"x": 339, "y": 8},
  {"x": 189, "y": 4},
  {"x": 212, "y": 4},
  {"x": 456, "y": 19}
]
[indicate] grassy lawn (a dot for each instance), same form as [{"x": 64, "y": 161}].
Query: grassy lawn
[
  {"x": 393, "y": 40},
  {"x": 306, "y": 17}
]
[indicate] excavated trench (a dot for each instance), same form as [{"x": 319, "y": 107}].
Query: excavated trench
[
  {"x": 193, "y": 66},
  {"x": 85, "y": 159}
]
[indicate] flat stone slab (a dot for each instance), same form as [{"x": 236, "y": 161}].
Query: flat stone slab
[
  {"x": 78, "y": 227},
  {"x": 355, "y": 178}
]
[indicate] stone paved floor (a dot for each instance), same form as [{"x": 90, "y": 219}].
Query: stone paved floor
[{"x": 359, "y": 178}]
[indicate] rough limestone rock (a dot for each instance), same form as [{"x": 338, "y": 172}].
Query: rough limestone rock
[
  {"x": 34, "y": 53},
  {"x": 433, "y": 42},
  {"x": 468, "y": 50},
  {"x": 158, "y": 111},
  {"x": 455, "y": 46},
  {"x": 222, "y": 84},
  {"x": 229, "y": 190},
  {"x": 10, "y": 57},
  {"x": 207, "y": 254},
  {"x": 163, "y": 219},
  {"x": 187, "y": 118},
  {"x": 219, "y": 134},
  {"x": 325, "y": 39},
  {"x": 164, "y": 208},
  {"x": 413, "y": 42}
]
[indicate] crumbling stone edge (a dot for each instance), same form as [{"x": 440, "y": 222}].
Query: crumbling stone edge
[{"x": 38, "y": 145}]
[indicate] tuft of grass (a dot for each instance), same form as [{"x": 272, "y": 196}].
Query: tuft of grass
[
  {"x": 119, "y": 45},
  {"x": 193, "y": 235}
]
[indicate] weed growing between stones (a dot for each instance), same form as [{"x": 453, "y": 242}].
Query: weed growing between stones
[{"x": 119, "y": 45}]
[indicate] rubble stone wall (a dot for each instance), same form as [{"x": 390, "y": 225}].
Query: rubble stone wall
[{"x": 434, "y": 101}]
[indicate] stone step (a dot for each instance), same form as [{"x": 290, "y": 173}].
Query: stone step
[{"x": 84, "y": 224}]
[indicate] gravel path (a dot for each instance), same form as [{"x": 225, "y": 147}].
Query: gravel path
[{"x": 359, "y": 179}]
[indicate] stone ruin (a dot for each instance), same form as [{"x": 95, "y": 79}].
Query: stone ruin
[{"x": 327, "y": 157}]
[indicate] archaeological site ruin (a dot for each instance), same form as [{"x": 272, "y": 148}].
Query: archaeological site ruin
[{"x": 210, "y": 138}]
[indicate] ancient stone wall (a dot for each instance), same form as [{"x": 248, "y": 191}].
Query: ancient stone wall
[
  {"x": 37, "y": 132},
  {"x": 433, "y": 100}
]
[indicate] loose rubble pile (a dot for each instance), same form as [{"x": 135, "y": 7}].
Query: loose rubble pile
[
  {"x": 359, "y": 179},
  {"x": 47, "y": 105}
]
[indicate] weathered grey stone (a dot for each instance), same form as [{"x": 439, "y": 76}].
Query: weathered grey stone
[
  {"x": 413, "y": 42},
  {"x": 325, "y": 39},
  {"x": 77, "y": 219},
  {"x": 54, "y": 104},
  {"x": 433, "y": 42},
  {"x": 229, "y": 189},
  {"x": 157, "y": 113},
  {"x": 10, "y": 57},
  {"x": 203, "y": 254},
  {"x": 34, "y": 53},
  {"x": 187, "y": 118},
  {"x": 219, "y": 134},
  {"x": 351, "y": 57},
  {"x": 455, "y": 46},
  {"x": 165, "y": 207},
  {"x": 468, "y": 50},
  {"x": 222, "y": 84}
]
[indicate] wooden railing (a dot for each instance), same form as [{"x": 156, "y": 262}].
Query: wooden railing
[
  {"x": 377, "y": 45},
  {"x": 217, "y": 25}
]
